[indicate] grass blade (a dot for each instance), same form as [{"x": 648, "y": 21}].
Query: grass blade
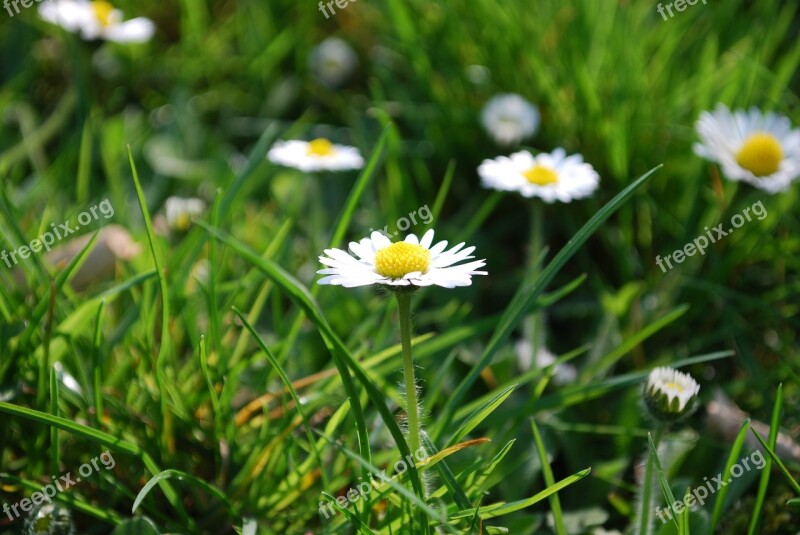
[{"x": 733, "y": 457}]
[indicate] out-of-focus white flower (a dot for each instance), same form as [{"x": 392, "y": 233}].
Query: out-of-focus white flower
[
  {"x": 180, "y": 211},
  {"x": 551, "y": 177},
  {"x": 669, "y": 394},
  {"x": 750, "y": 146},
  {"x": 509, "y": 118},
  {"x": 413, "y": 262},
  {"x": 333, "y": 61},
  {"x": 96, "y": 20},
  {"x": 317, "y": 155},
  {"x": 564, "y": 373},
  {"x": 50, "y": 519}
]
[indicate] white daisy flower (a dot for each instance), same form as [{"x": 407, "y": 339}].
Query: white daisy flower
[
  {"x": 760, "y": 149},
  {"x": 669, "y": 393},
  {"x": 333, "y": 61},
  {"x": 564, "y": 373},
  {"x": 180, "y": 211},
  {"x": 412, "y": 262},
  {"x": 317, "y": 155},
  {"x": 509, "y": 118},
  {"x": 96, "y": 20},
  {"x": 551, "y": 177}
]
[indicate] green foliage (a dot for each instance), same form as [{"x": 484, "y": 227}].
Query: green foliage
[{"x": 239, "y": 396}]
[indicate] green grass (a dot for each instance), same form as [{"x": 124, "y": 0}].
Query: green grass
[{"x": 237, "y": 395}]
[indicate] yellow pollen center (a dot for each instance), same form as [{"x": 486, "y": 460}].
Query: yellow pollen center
[
  {"x": 674, "y": 386},
  {"x": 540, "y": 175},
  {"x": 400, "y": 259},
  {"x": 320, "y": 147},
  {"x": 761, "y": 154},
  {"x": 102, "y": 10}
]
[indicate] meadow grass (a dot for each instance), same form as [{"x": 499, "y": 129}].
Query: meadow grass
[{"x": 238, "y": 395}]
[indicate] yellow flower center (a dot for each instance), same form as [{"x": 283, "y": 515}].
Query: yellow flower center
[
  {"x": 761, "y": 154},
  {"x": 540, "y": 175},
  {"x": 183, "y": 221},
  {"x": 320, "y": 147},
  {"x": 400, "y": 259},
  {"x": 102, "y": 11},
  {"x": 674, "y": 386}
]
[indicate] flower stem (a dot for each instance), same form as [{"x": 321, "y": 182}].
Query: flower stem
[
  {"x": 534, "y": 323},
  {"x": 412, "y": 407}
]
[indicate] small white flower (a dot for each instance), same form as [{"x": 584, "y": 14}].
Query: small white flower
[
  {"x": 564, "y": 373},
  {"x": 509, "y": 118},
  {"x": 551, "y": 177},
  {"x": 760, "y": 149},
  {"x": 96, "y": 20},
  {"x": 669, "y": 393},
  {"x": 317, "y": 155},
  {"x": 412, "y": 262},
  {"x": 333, "y": 61},
  {"x": 180, "y": 211},
  {"x": 50, "y": 519}
]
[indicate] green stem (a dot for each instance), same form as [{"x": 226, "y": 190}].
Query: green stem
[
  {"x": 647, "y": 485},
  {"x": 404, "y": 305},
  {"x": 534, "y": 323}
]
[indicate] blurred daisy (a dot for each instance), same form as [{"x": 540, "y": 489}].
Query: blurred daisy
[
  {"x": 669, "y": 393},
  {"x": 509, "y": 118},
  {"x": 96, "y": 20},
  {"x": 564, "y": 373},
  {"x": 333, "y": 61},
  {"x": 317, "y": 155},
  {"x": 551, "y": 177},
  {"x": 760, "y": 149},
  {"x": 412, "y": 262},
  {"x": 180, "y": 211}
]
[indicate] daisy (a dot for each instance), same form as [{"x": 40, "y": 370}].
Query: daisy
[
  {"x": 332, "y": 61},
  {"x": 564, "y": 374},
  {"x": 412, "y": 262},
  {"x": 509, "y": 118},
  {"x": 97, "y": 20},
  {"x": 760, "y": 149},
  {"x": 317, "y": 155},
  {"x": 551, "y": 177},
  {"x": 180, "y": 212},
  {"x": 669, "y": 393}
]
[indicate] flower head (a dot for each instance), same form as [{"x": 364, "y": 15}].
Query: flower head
[
  {"x": 317, "y": 155},
  {"x": 333, "y": 61},
  {"x": 50, "y": 519},
  {"x": 551, "y": 177},
  {"x": 670, "y": 394},
  {"x": 412, "y": 262},
  {"x": 750, "y": 146},
  {"x": 180, "y": 211},
  {"x": 509, "y": 118},
  {"x": 96, "y": 19},
  {"x": 564, "y": 374}
]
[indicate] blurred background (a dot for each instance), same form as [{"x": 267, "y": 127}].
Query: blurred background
[{"x": 219, "y": 82}]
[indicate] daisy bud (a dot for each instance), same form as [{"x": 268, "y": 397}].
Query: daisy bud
[{"x": 670, "y": 394}]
